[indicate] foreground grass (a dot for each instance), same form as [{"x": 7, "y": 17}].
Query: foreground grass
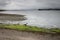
[{"x": 29, "y": 28}]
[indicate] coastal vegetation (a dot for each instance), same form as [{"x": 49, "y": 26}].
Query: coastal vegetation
[{"x": 29, "y": 28}]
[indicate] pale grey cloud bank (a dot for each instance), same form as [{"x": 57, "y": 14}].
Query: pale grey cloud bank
[{"x": 29, "y": 4}]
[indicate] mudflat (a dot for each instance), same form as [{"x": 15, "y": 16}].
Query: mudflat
[{"x": 7, "y": 34}]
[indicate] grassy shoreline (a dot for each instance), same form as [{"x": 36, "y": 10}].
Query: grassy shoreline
[{"x": 29, "y": 28}]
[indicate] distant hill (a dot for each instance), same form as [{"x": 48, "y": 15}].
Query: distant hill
[
  {"x": 49, "y": 9},
  {"x": 2, "y": 10}
]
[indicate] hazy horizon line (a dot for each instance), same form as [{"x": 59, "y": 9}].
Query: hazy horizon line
[{"x": 28, "y": 9}]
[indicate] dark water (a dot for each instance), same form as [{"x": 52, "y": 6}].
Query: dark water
[{"x": 39, "y": 18}]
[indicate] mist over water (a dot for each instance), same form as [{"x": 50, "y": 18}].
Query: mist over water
[{"x": 39, "y": 18}]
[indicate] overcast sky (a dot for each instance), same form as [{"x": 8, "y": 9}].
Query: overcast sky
[{"x": 29, "y": 4}]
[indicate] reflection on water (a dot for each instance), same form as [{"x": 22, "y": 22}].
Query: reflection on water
[{"x": 39, "y": 18}]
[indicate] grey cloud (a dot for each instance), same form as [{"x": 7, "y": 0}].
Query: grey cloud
[
  {"x": 49, "y": 3},
  {"x": 29, "y": 4},
  {"x": 2, "y": 3}
]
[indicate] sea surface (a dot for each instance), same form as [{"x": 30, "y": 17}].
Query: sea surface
[{"x": 46, "y": 19}]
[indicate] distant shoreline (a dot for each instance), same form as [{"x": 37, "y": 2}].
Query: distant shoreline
[{"x": 31, "y": 9}]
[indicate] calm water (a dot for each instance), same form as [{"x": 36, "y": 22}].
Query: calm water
[{"x": 39, "y": 18}]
